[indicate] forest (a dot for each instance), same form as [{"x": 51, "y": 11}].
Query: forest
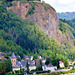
[{"x": 24, "y": 37}]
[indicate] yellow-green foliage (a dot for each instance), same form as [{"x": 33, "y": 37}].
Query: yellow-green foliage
[
  {"x": 47, "y": 6},
  {"x": 65, "y": 28}
]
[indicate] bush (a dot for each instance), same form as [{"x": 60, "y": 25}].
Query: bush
[
  {"x": 31, "y": 72},
  {"x": 47, "y": 6},
  {"x": 26, "y": 6},
  {"x": 30, "y": 11},
  {"x": 38, "y": 72}
]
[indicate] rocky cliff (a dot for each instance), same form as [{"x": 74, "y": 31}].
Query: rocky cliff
[{"x": 44, "y": 16}]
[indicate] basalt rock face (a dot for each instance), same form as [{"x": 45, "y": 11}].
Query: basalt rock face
[{"x": 47, "y": 20}]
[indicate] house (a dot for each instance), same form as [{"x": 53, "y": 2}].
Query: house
[
  {"x": 39, "y": 57},
  {"x": 32, "y": 65},
  {"x": 24, "y": 63},
  {"x": 13, "y": 59},
  {"x": 31, "y": 58},
  {"x": 43, "y": 61},
  {"x": 70, "y": 62},
  {"x": 16, "y": 67},
  {"x": 49, "y": 67},
  {"x": 26, "y": 58},
  {"x": 61, "y": 64}
]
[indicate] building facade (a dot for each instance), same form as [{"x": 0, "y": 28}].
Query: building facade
[{"x": 13, "y": 59}]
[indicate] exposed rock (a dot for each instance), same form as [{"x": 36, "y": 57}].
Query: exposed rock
[{"x": 47, "y": 20}]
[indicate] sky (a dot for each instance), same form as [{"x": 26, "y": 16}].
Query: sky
[{"x": 62, "y": 5}]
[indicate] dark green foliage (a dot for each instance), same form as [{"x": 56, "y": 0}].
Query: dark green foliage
[
  {"x": 66, "y": 28},
  {"x": 70, "y": 25},
  {"x": 48, "y": 60},
  {"x": 2, "y": 68},
  {"x": 38, "y": 65},
  {"x": 38, "y": 72},
  {"x": 27, "y": 65},
  {"x": 31, "y": 10},
  {"x": 5, "y": 66},
  {"x": 14, "y": 74},
  {"x": 74, "y": 42},
  {"x": 19, "y": 59},
  {"x": 55, "y": 62},
  {"x": 8, "y": 65},
  {"x": 26, "y": 6}
]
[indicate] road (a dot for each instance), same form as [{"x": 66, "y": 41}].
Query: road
[
  {"x": 62, "y": 70},
  {"x": 59, "y": 70},
  {"x": 68, "y": 74}
]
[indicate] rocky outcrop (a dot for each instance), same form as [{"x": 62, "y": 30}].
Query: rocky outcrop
[{"x": 47, "y": 20}]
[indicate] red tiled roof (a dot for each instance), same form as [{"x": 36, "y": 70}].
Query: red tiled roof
[{"x": 60, "y": 62}]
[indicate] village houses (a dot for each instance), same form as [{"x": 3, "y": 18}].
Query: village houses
[{"x": 32, "y": 63}]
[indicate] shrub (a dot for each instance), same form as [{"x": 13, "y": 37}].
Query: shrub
[
  {"x": 47, "y": 6},
  {"x": 26, "y": 6},
  {"x": 38, "y": 72},
  {"x": 30, "y": 11}
]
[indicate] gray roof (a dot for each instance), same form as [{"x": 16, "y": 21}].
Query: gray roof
[
  {"x": 16, "y": 66},
  {"x": 50, "y": 65},
  {"x": 23, "y": 63},
  {"x": 13, "y": 55},
  {"x": 31, "y": 63}
]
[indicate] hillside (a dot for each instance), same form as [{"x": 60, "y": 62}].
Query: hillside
[
  {"x": 66, "y": 15},
  {"x": 68, "y": 27},
  {"x": 31, "y": 32},
  {"x": 43, "y": 15},
  {"x": 71, "y": 24}
]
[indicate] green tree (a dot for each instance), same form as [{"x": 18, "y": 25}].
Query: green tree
[
  {"x": 48, "y": 60},
  {"x": 27, "y": 65},
  {"x": 66, "y": 63},
  {"x": 38, "y": 65},
  {"x": 8, "y": 65},
  {"x": 2, "y": 68}
]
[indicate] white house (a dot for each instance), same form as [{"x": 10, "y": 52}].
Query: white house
[
  {"x": 26, "y": 58},
  {"x": 39, "y": 57},
  {"x": 16, "y": 67},
  {"x": 31, "y": 58},
  {"x": 43, "y": 61},
  {"x": 70, "y": 62},
  {"x": 32, "y": 68},
  {"x": 32, "y": 65},
  {"x": 61, "y": 64},
  {"x": 49, "y": 67}
]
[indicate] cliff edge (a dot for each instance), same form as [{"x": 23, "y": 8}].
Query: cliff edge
[{"x": 44, "y": 16}]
